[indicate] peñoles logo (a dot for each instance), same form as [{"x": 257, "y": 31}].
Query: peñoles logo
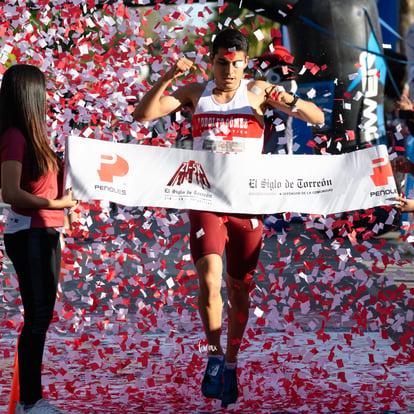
[
  {"x": 192, "y": 172},
  {"x": 381, "y": 171},
  {"x": 112, "y": 166}
]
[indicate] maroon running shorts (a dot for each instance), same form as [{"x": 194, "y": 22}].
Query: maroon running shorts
[{"x": 240, "y": 235}]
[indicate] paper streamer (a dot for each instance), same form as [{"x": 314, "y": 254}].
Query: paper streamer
[{"x": 138, "y": 175}]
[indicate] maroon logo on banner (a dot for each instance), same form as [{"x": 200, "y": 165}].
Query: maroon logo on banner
[
  {"x": 191, "y": 172},
  {"x": 381, "y": 171},
  {"x": 112, "y": 166}
]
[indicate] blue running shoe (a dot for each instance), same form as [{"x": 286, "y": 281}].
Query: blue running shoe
[
  {"x": 230, "y": 388},
  {"x": 212, "y": 384}
]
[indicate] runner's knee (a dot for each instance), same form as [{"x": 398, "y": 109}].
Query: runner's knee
[
  {"x": 237, "y": 290},
  {"x": 209, "y": 269}
]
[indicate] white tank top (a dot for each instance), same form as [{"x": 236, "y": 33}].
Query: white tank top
[{"x": 228, "y": 127}]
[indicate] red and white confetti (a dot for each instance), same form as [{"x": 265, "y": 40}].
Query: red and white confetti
[{"x": 331, "y": 325}]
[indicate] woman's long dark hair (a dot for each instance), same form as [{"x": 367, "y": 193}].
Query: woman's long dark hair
[{"x": 23, "y": 105}]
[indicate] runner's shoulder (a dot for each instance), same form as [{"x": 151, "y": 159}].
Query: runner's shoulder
[
  {"x": 190, "y": 93},
  {"x": 258, "y": 86}
]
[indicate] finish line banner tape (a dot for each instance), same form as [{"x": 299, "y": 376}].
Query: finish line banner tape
[{"x": 140, "y": 175}]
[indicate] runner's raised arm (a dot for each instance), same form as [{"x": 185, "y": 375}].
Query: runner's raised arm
[
  {"x": 154, "y": 104},
  {"x": 291, "y": 104}
]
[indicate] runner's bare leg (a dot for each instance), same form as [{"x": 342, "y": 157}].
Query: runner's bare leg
[
  {"x": 238, "y": 314},
  {"x": 210, "y": 304}
]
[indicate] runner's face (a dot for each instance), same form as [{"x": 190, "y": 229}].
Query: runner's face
[{"x": 228, "y": 68}]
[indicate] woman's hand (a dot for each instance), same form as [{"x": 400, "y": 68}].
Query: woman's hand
[
  {"x": 404, "y": 104},
  {"x": 404, "y": 205},
  {"x": 66, "y": 201}
]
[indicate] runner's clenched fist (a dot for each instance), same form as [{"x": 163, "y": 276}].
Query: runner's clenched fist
[{"x": 181, "y": 66}]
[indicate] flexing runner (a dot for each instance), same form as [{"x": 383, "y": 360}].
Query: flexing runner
[{"x": 228, "y": 116}]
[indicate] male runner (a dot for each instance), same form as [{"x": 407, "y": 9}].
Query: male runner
[{"x": 228, "y": 114}]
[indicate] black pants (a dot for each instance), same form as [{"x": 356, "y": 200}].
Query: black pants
[{"x": 36, "y": 256}]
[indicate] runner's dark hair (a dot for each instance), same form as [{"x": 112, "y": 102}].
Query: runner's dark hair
[
  {"x": 23, "y": 106},
  {"x": 230, "y": 39}
]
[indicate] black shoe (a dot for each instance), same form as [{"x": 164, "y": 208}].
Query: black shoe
[
  {"x": 230, "y": 388},
  {"x": 212, "y": 385}
]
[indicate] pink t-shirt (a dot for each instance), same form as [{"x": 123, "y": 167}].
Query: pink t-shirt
[{"x": 13, "y": 146}]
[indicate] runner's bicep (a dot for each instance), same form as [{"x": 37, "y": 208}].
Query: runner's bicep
[
  {"x": 185, "y": 96},
  {"x": 169, "y": 104}
]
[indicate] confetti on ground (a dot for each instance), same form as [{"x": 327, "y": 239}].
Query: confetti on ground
[
  {"x": 331, "y": 325},
  {"x": 322, "y": 337}
]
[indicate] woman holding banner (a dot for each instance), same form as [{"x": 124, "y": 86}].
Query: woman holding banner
[
  {"x": 31, "y": 182},
  {"x": 228, "y": 114}
]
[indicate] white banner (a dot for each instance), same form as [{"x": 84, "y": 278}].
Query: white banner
[{"x": 139, "y": 175}]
